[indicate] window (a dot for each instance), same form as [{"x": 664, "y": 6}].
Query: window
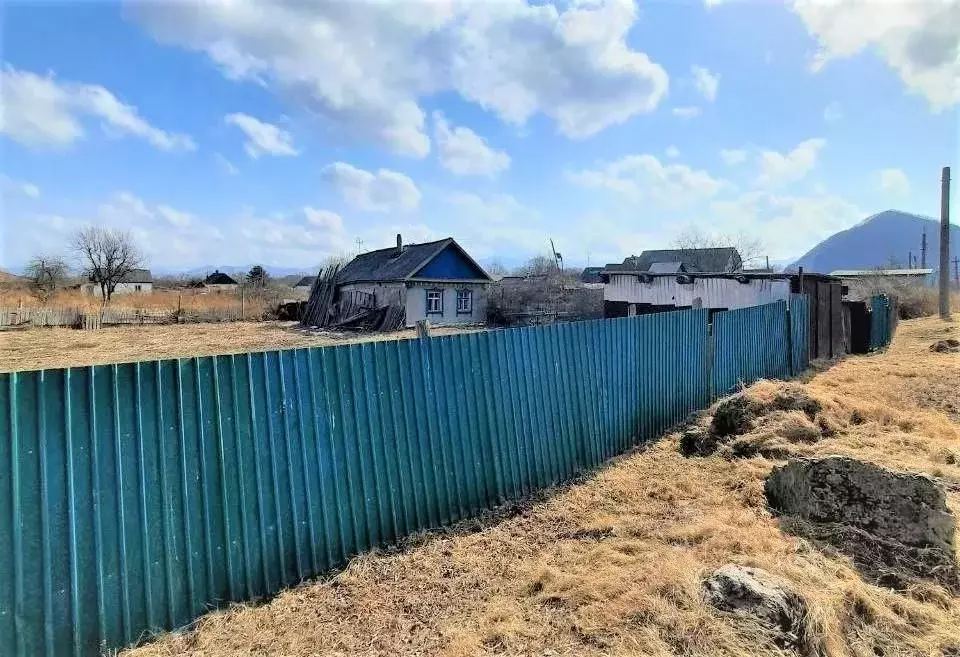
[
  {"x": 434, "y": 302},
  {"x": 464, "y": 302},
  {"x": 137, "y": 288}
]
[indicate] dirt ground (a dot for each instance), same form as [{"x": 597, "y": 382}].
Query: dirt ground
[
  {"x": 42, "y": 348},
  {"x": 612, "y": 564}
]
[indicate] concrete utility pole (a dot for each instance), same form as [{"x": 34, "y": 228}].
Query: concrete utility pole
[
  {"x": 923, "y": 250},
  {"x": 956, "y": 272},
  {"x": 945, "y": 244}
]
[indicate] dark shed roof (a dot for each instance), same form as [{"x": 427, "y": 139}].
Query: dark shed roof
[
  {"x": 386, "y": 265},
  {"x": 219, "y": 278},
  {"x": 306, "y": 281},
  {"x": 137, "y": 276},
  {"x": 719, "y": 259},
  {"x": 591, "y": 275}
]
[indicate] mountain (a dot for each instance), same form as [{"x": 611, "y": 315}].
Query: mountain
[
  {"x": 233, "y": 270},
  {"x": 881, "y": 240}
]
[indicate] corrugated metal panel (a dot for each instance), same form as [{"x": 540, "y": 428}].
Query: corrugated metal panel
[
  {"x": 713, "y": 292},
  {"x": 800, "y": 331},
  {"x": 750, "y": 344},
  {"x": 140, "y": 495},
  {"x": 883, "y": 320}
]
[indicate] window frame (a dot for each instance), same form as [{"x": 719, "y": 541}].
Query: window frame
[
  {"x": 468, "y": 295},
  {"x": 426, "y": 306}
]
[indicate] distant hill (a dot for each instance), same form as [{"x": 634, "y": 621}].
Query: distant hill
[
  {"x": 232, "y": 270},
  {"x": 877, "y": 241}
]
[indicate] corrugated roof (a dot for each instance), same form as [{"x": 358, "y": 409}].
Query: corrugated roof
[
  {"x": 666, "y": 268},
  {"x": 881, "y": 272},
  {"x": 386, "y": 265},
  {"x": 719, "y": 259}
]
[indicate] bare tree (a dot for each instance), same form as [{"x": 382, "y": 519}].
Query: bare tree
[
  {"x": 538, "y": 265},
  {"x": 496, "y": 268},
  {"x": 46, "y": 274},
  {"x": 107, "y": 256},
  {"x": 751, "y": 250}
]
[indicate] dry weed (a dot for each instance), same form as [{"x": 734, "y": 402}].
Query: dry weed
[{"x": 612, "y": 564}]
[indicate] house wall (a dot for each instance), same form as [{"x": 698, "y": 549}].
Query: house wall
[
  {"x": 713, "y": 292},
  {"x": 416, "y": 303},
  {"x": 220, "y": 287},
  {"x": 93, "y": 289}
]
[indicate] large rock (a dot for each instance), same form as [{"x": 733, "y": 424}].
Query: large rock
[
  {"x": 755, "y": 593},
  {"x": 907, "y": 508}
]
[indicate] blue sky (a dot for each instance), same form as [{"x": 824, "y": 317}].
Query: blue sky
[{"x": 226, "y": 133}]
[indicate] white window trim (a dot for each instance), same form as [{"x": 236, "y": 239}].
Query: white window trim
[
  {"x": 469, "y": 296},
  {"x": 427, "y": 301}
]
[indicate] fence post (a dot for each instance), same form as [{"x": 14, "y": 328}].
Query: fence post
[
  {"x": 242, "y": 314},
  {"x": 789, "y": 323},
  {"x": 423, "y": 329},
  {"x": 710, "y": 349}
]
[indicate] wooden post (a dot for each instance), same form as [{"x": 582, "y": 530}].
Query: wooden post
[
  {"x": 179, "y": 305},
  {"x": 423, "y": 329},
  {"x": 242, "y": 315},
  {"x": 945, "y": 245}
]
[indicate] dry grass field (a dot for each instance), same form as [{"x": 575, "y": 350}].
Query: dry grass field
[
  {"x": 612, "y": 564},
  {"x": 41, "y": 348},
  {"x": 254, "y": 305}
]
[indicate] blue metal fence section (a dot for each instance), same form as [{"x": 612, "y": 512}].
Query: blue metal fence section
[
  {"x": 139, "y": 495},
  {"x": 882, "y": 321},
  {"x": 799, "y": 307},
  {"x": 749, "y": 344}
]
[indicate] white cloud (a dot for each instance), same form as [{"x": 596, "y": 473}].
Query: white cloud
[
  {"x": 780, "y": 169},
  {"x": 262, "y": 138},
  {"x": 324, "y": 219},
  {"x": 497, "y": 208},
  {"x": 175, "y": 217},
  {"x": 644, "y": 177},
  {"x": 688, "y": 112},
  {"x": 786, "y": 225},
  {"x": 733, "y": 156},
  {"x": 9, "y": 185},
  {"x": 894, "y": 181},
  {"x": 42, "y": 112},
  {"x": 672, "y": 152},
  {"x": 226, "y": 165},
  {"x": 383, "y": 191},
  {"x": 919, "y": 39},
  {"x": 464, "y": 152},
  {"x": 365, "y": 69},
  {"x": 832, "y": 112},
  {"x": 707, "y": 83}
]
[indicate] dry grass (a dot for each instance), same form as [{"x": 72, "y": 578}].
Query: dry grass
[
  {"x": 612, "y": 565},
  {"x": 254, "y": 305},
  {"x": 40, "y": 348}
]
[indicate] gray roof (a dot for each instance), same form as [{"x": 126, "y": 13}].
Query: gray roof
[
  {"x": 386, "y": 265},
  {"x": 719, "y": 259},
  {"x": 137, "y": 276},
  {"x": 666, "y": 267},
  {"x": 591, "y": 275},
  {"x": 306, "y": 281}
]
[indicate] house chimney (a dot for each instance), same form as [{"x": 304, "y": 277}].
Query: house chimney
[{"x": 399, "y": 244}]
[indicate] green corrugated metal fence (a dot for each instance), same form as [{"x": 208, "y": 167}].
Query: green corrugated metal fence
[
  {"x": 883, "y": 321},
  {"x": 137, "y": 496}
]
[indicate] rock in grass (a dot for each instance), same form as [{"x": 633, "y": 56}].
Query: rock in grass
[
  {"x": 907, "y": 508},
  {"x": 755, "y": 593},
  {"x": 735, "y": 416}
]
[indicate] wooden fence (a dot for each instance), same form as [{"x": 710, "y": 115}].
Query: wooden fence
[{"x": 86, "y": 319}]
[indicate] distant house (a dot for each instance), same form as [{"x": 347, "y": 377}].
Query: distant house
[
  {"x": 220, "y": 282},
  {"x": 591, "y": 276},
  {"x": 671, "y": 261},
  {"x": 437, "y": 281},
  {"x": 305, "y": 284},
  {"x": 137, "y": 281}
]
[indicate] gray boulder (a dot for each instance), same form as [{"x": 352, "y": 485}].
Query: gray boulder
[
  {"x": 756, "y": 594},
  {"x": 907, "y": 508}
]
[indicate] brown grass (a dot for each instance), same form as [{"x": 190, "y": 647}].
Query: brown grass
[
  {"x": 40, "y": 348},
  {"x": 254, "y": 305},
  {"x": 612, "y": 565}
]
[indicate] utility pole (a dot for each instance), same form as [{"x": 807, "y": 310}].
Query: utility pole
[
  {"x": 956, "y": 271},
  {"x": 909, "y": 259},
  {"x": 923, "y": 250},
  {"x": 945, "y": 245}
]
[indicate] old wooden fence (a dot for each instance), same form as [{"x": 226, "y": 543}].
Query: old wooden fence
[{"x": 135, "y": 497}]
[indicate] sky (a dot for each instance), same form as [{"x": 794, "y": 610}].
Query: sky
[{"x": 232, "y": 132}]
